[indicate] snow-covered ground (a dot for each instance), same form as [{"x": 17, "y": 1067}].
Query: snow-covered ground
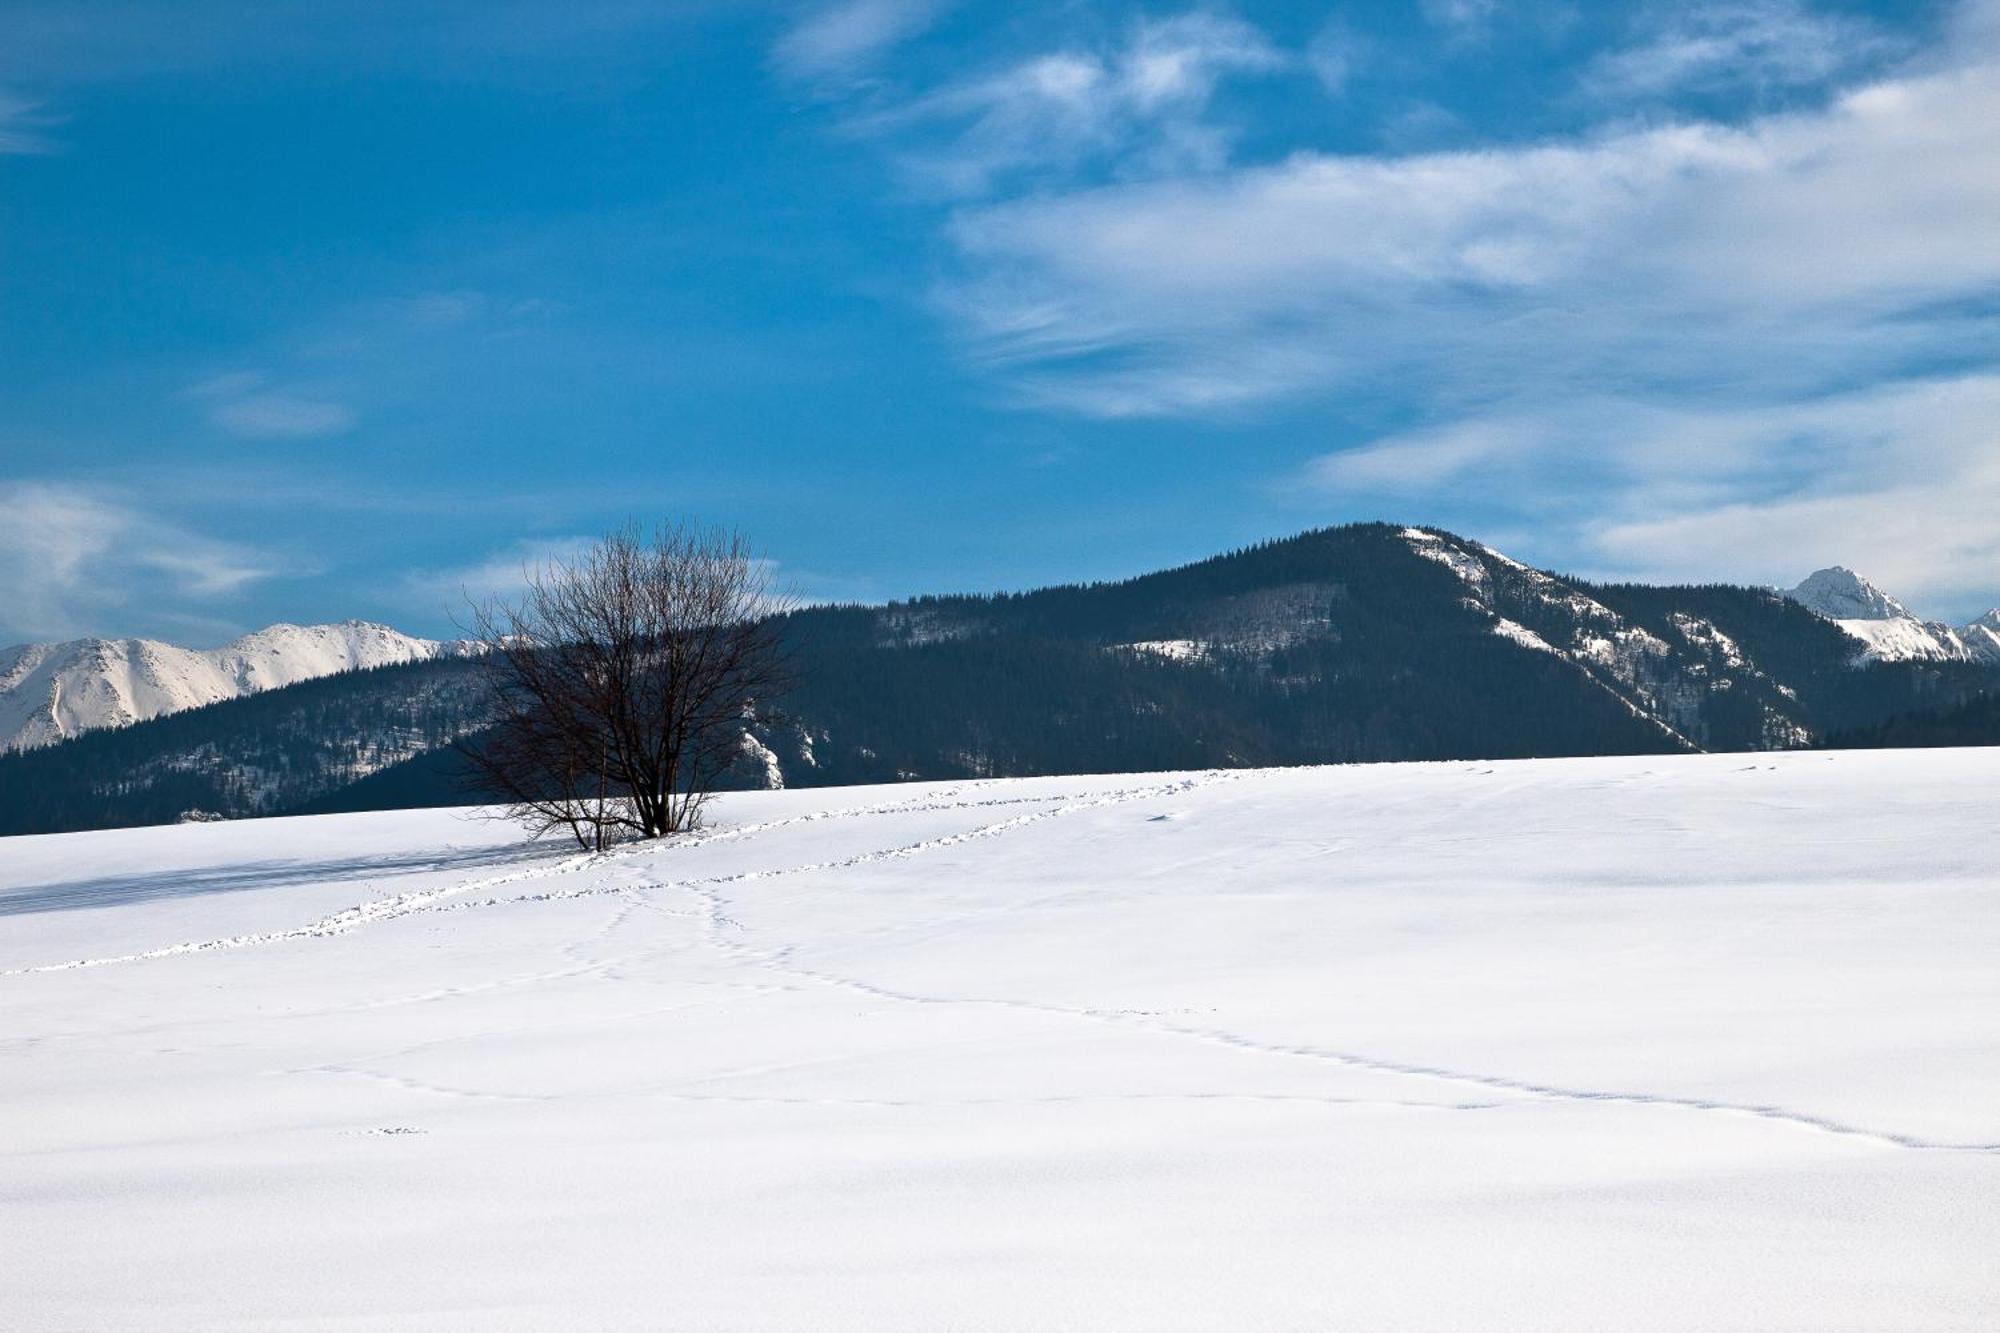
[{"x": 1658, "y": 1043}]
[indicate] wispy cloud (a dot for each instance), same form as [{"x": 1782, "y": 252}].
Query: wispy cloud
[
  {"x": 1334, "y": 54},
  {"x": 23, "y": 126},
  {"x": 500, "y": 575},
  {"x": 1137, "y": 105},
  {"x": 1461, "y": 19},
  {"x": 242, "y": 404},
  {"x": 1417, "y": 462},
  {"x": 282, "y": 416},
  {"x": 73, "y": 558},
  {"x": 1723, "y": 44},
  {"x": 503, "y": 575},
  {"x": 839, "y": 41}
]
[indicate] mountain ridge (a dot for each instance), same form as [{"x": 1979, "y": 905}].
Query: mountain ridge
[
  {"x": 52, "y": 692},
  {"x": 1362, "y": 643}
]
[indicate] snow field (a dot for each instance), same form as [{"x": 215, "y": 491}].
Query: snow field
[{"x": 1675, "y": 1043}]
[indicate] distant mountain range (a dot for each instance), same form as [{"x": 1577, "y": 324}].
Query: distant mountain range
[
  {"x": 51, "y": 692},
  {"x": 1367, "y": 642}
]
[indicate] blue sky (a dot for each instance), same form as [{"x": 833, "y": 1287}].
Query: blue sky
[{"x": 318, "y": 310}]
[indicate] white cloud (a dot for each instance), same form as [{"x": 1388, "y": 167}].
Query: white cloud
[
  {"x": 1463, "y": 18},
  {"x": 503, "y": 576},
  {"x": 203, "y": 568},
  {"x": 72, "y": 559},
  {"x": 1975, "y": 25},
  {"x": 1934, "y": 543},
  {"x": 1901, "y": 479},
  {"x": 1334, "y": 54},
  {"x": 500, "y": 576},
  {"x": 1680, "y": 350},
  {"x": 839, "y": 41},
  {"x": 22, "y": 126},
  {"x": 1767, "y": 44},
  {"x": 1139, "y": 105},
  {"x": 1642, "y": 340},
  {"x": 282, "y": 416},
  {"x": 240, "y": 403},
  {"x": 1417, "y": 462},
  {"x": 1797, "y": 249}
]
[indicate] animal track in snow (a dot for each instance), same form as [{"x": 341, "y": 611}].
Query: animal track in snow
[{"x": 432, "y": 899}]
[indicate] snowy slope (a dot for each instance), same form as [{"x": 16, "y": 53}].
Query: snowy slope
[
  {"x": 1640, "y": 1043},
  {"x": 1982, "y": 637},
  {"x": 1838, "y": 593},
  {"x": 51, "y": 691},
  {"x": 1884, "y": 626},
  {"x": 1667, "y": 684},
  {"x": 1907, "y": 639}
]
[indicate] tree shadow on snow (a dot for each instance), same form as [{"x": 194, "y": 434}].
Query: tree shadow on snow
[{"x": 156, "y": 886}]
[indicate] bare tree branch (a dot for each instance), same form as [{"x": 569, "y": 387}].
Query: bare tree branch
[{"x": 624, "y": 680}]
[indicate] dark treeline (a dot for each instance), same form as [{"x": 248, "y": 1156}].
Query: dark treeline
[{"x": 1973, "y": 722}]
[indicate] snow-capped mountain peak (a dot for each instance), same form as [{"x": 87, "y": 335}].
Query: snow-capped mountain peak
[
  {"x": 1982, "y": 636},
  {"x": 1886, "y": 629},
  {"x": 1838, "y": 593},
  {"x": 52, "y": 691}
]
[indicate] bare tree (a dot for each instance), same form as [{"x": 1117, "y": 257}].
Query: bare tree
[{"x": 623, "y": 681}]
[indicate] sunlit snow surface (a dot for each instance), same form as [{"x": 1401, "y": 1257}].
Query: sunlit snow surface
[{"x": 1687, "y": 1043}]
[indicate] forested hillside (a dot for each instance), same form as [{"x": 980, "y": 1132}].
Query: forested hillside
[
  {"x": 257, "y": 755},
  {"x": 1974, "y": 722}
]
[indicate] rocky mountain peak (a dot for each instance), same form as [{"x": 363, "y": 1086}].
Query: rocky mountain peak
[{"x": 1838, "y": 593}]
